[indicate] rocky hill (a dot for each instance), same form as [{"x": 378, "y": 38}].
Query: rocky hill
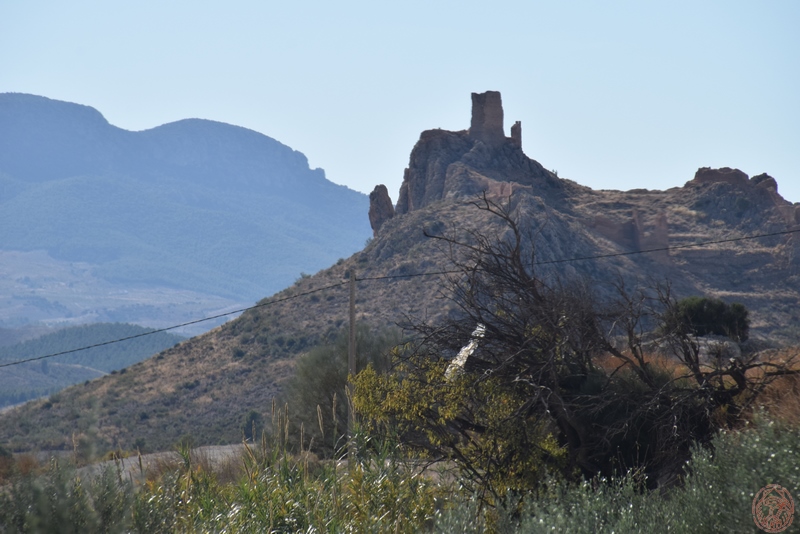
[
  {"x": 206, "y": 385},
  {"x": 155, "y": 227}
]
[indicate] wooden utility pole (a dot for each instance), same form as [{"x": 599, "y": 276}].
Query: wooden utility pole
[{"x": 351, "y": 363}]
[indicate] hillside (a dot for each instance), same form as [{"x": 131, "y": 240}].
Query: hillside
[
  {"x": 19, "y": 383},
  {"x": 205, "y": 386},
  {"x": 155, "y": 227}
]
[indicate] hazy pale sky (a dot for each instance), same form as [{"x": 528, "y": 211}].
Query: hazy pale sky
[{"x": 613, "y": 95}]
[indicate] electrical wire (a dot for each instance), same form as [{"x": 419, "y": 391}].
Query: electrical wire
[
  {"x": 151, "y": 332},
  {"x": 412, "y": 275},
  {"x": 603, "y": 256},
  {"x": 388, "y": 277},
  {"x": 676, "y": 247}
]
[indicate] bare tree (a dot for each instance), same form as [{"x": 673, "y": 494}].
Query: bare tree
[{"x": 556, "y": 380}]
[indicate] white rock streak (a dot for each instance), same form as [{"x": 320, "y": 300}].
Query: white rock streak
[{"x": 457, "y": 365}]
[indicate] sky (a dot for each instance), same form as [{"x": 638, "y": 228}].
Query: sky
[{"x": 613, "y": 95}]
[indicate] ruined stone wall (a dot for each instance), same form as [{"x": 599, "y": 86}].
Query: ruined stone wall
[
  {"x": 447, "y": 164},
  {"x": 623, "y": 233},
  {"x": 487, "y": 118},
  {"x": 516, "y": 134},
  {"x": 707, "y": 175},
  {"x": 634, "y": 235},
  {"x": 656, "y": 238}
]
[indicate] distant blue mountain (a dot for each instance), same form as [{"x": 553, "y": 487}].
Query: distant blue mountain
[{"x": 195, "y": 204}]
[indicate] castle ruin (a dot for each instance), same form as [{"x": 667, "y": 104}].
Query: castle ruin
[
  {"x": 487, "y": 120},
  {"x": 516, "y": 133}
]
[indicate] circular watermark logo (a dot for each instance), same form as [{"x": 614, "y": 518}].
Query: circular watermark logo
[{"x": 773, "y": 508}]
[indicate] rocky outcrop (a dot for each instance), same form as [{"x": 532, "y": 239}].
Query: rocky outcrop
[
  {"x": 423, "y": 180},
  {"x": 380, "y": 208},
  {"x": 481, "y": 160},
  {"x": 707, "y": 175},
  {"x": 732, "y": 186},
  {"x": 445, "y": 164},
  {"x": 516, "y": 133},
  {"x": 765, "y": 181}
]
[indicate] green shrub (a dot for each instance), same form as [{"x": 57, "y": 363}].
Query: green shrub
[
  {"x": 60, "y": 501},
  {"x": 252, "y": 425},
  {"x": 380, "y": 490},
  {"x": 704, "y": 315},
  {"x": 316, "y": 394},
  {"x": 716, "y": 495}
]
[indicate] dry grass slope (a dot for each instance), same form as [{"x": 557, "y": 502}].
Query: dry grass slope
[{"x": 205, "y": 386}]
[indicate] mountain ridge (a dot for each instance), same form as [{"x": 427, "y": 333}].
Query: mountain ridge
[
  {"x": 220, "y": 211},
  {"x": 207, "y": 384}
]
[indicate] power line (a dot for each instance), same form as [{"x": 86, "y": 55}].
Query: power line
[
  {"x": 668, "y": 248},
  {"x": 412, "y": 275},
  {"x": 389, "y": 277},
  {"x": 603, "y": 256},
  {"x": 151, "y": 332}
]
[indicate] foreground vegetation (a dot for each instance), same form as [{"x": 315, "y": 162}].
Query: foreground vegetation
[
  {"x": 538, "y": 377},
  {"x": 270, "y": 490},
  {"x": 535, "y": 406}
]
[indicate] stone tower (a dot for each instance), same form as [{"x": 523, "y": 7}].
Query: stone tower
[{"x": 487, "y": 118}]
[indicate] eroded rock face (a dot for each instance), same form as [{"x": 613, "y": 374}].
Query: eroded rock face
[
  {"x": 766, "y": 181},
  {"x": 380, "y": 208},
  {"x": 516, "y": 133},
  {"x": 707, "y": 175},
  {"x": 634, "y": 234},
  {"x": 446, "y": 164},
  {"x": 466, "y": 164},
  {"x": 423, "y": 180},
  {"x": 733, "y": 193}
]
